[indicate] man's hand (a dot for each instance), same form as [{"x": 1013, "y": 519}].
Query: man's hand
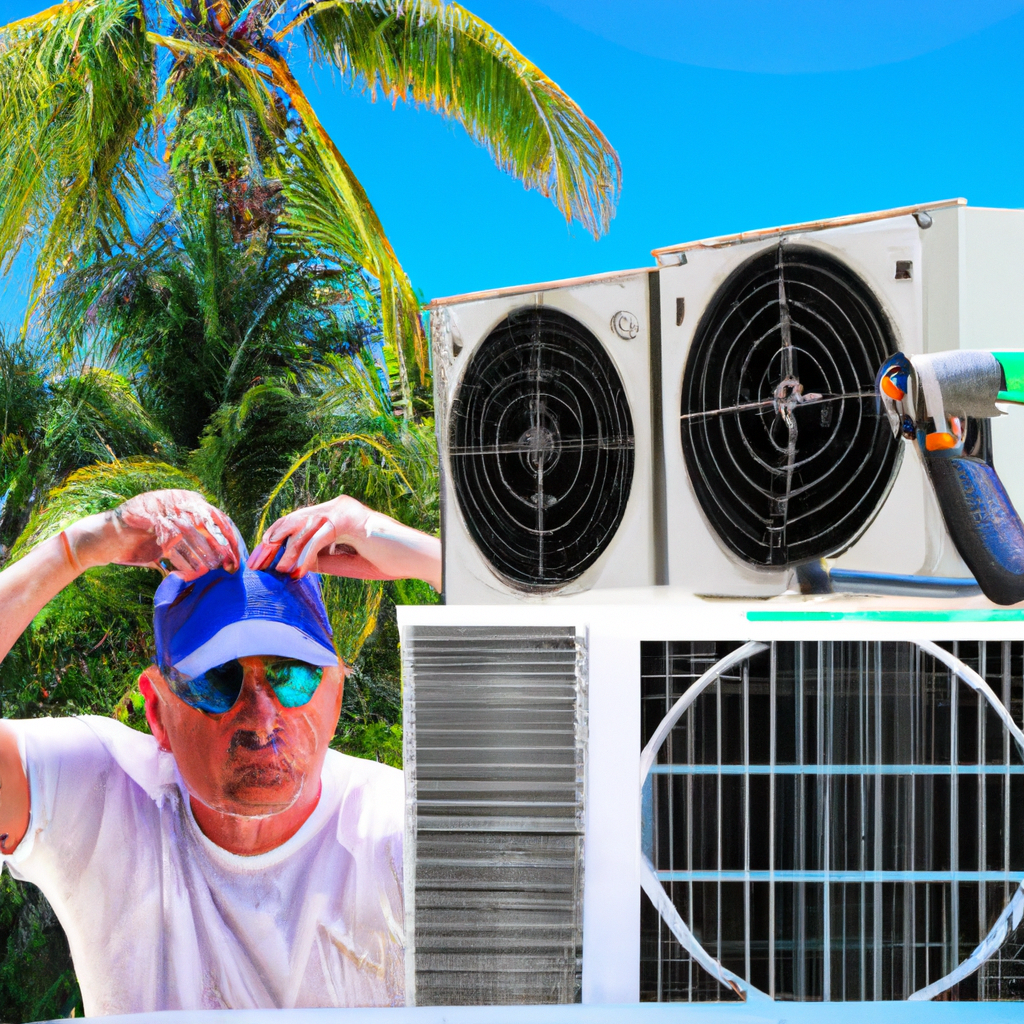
[
  {"x": 178, "y": 528},
  {"x": 342, "y": 537}
]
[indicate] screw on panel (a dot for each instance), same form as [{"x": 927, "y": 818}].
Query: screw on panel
[{"x": 924, "y": 219}]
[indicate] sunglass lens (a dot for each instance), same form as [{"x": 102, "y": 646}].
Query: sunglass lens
[
  {"x": 215, "y": 691},
  {"x": 294, "y": 682}
]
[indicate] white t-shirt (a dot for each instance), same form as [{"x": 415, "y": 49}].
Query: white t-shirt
[{"x": 160, "y": 918}]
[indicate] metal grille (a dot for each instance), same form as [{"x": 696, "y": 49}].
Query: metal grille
[
  {"x": 541, "y": 448},
  {"x": 495, "y": 731},
  {"x": 784, "y": 446},
  {"x": 834, "y": 820}
]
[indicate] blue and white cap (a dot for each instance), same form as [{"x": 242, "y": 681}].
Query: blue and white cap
[{"x": 225, "y": 615}]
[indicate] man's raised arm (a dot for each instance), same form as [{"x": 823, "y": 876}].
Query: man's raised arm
[
  {"x": 176, "y": 527},
  {"x": 343, "y": 537}
]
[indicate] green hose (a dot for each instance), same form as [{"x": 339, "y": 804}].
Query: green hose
[{"x": 1013, "y": 370}]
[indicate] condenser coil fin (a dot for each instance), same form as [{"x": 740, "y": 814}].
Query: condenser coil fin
[{"x": 495, "y": 732}]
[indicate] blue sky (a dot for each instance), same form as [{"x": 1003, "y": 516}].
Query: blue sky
[{"x": 727, "y": 114}]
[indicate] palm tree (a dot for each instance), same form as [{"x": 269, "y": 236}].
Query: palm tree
[
  {"x": 197, "y": 315},
  {"x": 90, "y": 89},
  {"x": 54, "y": 422},
  {"x": 196, "y": 356}
]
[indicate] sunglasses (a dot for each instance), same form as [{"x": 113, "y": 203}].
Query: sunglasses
[{"x": 216, "y": 690}]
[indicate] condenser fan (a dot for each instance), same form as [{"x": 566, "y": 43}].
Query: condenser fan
[
  {"x": 541, "y": 448},
  {"x": 784, "y": 446}
]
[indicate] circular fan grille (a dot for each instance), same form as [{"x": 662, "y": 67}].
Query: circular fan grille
[
  {"x": 850, "y": 836},
  {"x": 783, "y": 443},
  {"x": 541, "y": 448}
]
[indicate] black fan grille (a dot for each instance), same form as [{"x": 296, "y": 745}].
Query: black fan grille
[
  {"x": 784, "y": 446},
  {"x": 541, "y": 448}
]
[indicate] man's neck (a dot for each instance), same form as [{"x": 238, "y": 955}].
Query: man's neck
[{"x": 247, "y": 836}]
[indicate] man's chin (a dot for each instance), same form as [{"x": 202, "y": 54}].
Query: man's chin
[{"x": 258, "y": 791}]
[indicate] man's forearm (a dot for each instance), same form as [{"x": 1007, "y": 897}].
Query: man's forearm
[
  {"x": 400, "y": 550},
  {"x": 28, "y": 585}
]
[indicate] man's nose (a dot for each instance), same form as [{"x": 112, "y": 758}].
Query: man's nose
[{"x": 256, "y": 707}]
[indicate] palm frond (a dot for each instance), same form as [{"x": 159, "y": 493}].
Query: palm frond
[
  {"x": 440, "y": 55},
  {"x": 76, "y": 89},
  {"x": 96, "y": 416},
  {"x": 247, "y": 446},
  {"x": 325, "y": 203},
  {"x": 56, "y": 422},
  {"x": 100, "y": 488}
]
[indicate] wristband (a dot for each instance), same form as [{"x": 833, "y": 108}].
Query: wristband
[{"x": 69, "y": 551}]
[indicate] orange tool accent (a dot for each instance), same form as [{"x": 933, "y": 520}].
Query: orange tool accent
[
  {"x": 939, "y": 441},
  {"x": 890, "y": 390}
]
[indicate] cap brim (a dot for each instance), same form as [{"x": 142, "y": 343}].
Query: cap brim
[{"x": 253, "y": 637}]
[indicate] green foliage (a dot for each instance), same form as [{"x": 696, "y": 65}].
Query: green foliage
[
  {"x": 198, "y": 318},
  {"x": 37, "y": 980},
  {"x": 85, "y": 103},
  {"x": 56, "y": 421},
  {"x": 25, "y": 395},
  {"x": 76, "y": 92},
  {"x": 247, "y": 447},
  {"x": 440, "y": 55}
]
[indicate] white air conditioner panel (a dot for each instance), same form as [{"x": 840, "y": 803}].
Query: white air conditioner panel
[
  {"x": 697, "y": 559},
  {"x": 612, "y": 636},
  {"x": 458, "y": 329}
]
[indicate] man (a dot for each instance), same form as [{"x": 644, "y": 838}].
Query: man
[{"x": 230, "y": 859}]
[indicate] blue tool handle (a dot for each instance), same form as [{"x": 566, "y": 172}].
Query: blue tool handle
[{"x": 983, "y": 523}]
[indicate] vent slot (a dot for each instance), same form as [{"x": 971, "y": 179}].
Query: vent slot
[
  {"x": 495, "y": 730},
  {"x": 784, "y": 446},
  {"x": 541, "y": 448}
]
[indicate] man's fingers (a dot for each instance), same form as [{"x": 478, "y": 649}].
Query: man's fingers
[
  {"x": 263, "y": 555},
  {"x": 229, "y": 532},
  {"x": 276, "y": 528},
  {"x": 304, "y": 528},
  {"x": 306, "y": 561},
  {"x": 182, "y": 560},
  {"x": 290, "y": 524},
  {"x": 209, "y": 536},
  {"x": 200, "y": 547},
  {"x": 298, "y": 521}
]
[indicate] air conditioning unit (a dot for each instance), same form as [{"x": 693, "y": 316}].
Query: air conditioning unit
[
  {"x": 543, "y": 400},
  {"x": 712, "y": 424},
  {"x": 769, "y": 343},
  {"x": 805, "y": 798}
]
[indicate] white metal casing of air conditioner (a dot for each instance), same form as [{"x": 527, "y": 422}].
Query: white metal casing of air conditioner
[
  {"x": 965, "y": 291},
  {"x": 974, "y": 299},
  {"x": 458, "y": 327},
  {"x": 612, "y": 626}
]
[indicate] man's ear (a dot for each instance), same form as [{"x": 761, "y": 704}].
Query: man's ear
[{"x": 154, "y": 709}]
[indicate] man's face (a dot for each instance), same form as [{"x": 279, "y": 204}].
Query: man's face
[{"x": 256, "y": 759}]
